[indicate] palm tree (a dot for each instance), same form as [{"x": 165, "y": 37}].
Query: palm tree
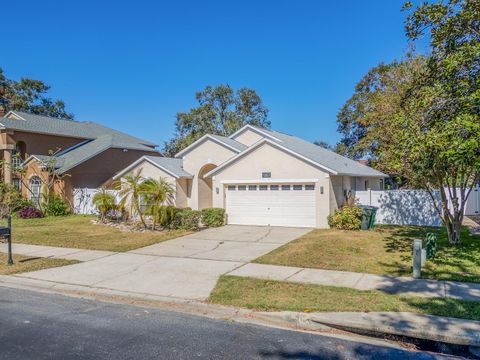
[
  {"x": 130, "y": 194},
  {"x": 157, "y": 193},
  {"x": 104, "y": 201}
]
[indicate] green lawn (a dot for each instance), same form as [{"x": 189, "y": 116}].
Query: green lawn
[
  {"x": 385, "y": 250},
  {"x": 28, "y": 263},
  {"x": 269, "y": 295},
  {"x": 76, "y": 231}
]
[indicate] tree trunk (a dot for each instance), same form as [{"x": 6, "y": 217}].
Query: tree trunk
[
  {"x": 453, "y": 232},
  {"x": 453, "y": 219}
]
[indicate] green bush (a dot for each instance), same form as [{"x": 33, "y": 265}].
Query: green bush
[
  {"x": 346, "y": 218},
  {"x": 185, "y": 219},
  {"x": 166, "y": 215},
  {"x": 213, "y": 217},
  {"x": 11, "y": 200},
  {"x": 57, "y": 207}
]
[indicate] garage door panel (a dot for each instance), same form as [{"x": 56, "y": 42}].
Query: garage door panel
[{"x": 271, "y": 207}]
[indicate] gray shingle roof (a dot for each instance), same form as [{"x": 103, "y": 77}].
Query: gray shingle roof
[
  {"x": 172, "y": 165},
  {"x": 233, "y": 143},
  {"x": 98, "y": 138},
  {"x": 331, "y": 160},
  {"x": 63, "y": 127}
]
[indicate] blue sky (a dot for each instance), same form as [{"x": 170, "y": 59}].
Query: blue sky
[{"x": 134, "y": 65}]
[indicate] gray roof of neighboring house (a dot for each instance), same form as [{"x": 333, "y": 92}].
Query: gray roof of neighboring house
[
  {"x": 331, "y": 160},
  {"x": 70, "y": 128},
  {"x": 172, "y": 165},
  {"x": 98, "y": 138},
  {"x": 233, "y": 143},
  {"x": 69, "y": 158}
]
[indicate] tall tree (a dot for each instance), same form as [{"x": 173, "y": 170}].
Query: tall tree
[
  {"x": 436, "y": 138},
  {"x": 30, "y": 96},
  {"x": 378, "y": 96},
  {"x": 220, "y": 111},
  {"x": 420, "y": 118}
]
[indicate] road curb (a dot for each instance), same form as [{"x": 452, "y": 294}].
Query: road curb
[{"x": 449, "y": 330}]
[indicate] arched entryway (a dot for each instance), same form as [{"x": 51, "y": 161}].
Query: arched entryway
[{"x": 205, "y": 193}]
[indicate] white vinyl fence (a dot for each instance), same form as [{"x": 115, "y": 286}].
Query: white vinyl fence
[
  {"x": 410, "y": 207},
  {"x": 82, "y": 200}
]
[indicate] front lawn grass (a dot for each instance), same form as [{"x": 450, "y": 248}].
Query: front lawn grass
[
  {"x": 385, "y": 250},
  {"x": 77, "y": 231},
  {"x": 28, "y": 263},
  {"x": 267, "y": 295}
]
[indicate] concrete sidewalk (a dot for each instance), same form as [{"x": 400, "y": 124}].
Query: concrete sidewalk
[
  {"x": 361, "y": 281},
  {"x": 56, "y": 252},
  {"x": 187, "y": 267}
]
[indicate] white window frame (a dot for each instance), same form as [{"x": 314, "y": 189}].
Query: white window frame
[{"x": 35, "y": 183}]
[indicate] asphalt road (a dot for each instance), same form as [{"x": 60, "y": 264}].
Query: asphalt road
[{"x": 45, "y": 326}]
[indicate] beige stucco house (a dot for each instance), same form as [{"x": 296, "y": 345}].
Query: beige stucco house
[{"x": 261, "y": 177}]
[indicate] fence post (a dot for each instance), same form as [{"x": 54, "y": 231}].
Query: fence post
[{"x": 417, "y": 258}]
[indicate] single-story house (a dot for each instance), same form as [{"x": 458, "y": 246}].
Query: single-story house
[{"x": 261, "y": 177}]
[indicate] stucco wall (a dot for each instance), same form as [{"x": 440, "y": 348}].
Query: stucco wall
[
  {"x": 153, "y": 172},
  {"x": 372, "y": 183},
  {"x": 341, "y": 184},
  {"x": 281, "y": 165},
  {"x": 40, "y": 144},
  {"x": 101, "y": 168},
  {"x": 248, "y": 137},
  {"x": 205, "y": 153}
]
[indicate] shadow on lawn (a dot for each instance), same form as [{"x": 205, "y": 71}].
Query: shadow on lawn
[{"x": 460, "y": 263}]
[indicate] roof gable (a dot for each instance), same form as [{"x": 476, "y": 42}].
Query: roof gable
[
  {"x": 262, "y": 132},
  {"x": 230, "y": 144},
  {"x": 171, "y": 166},
  {"x": 330, "y": 159},
  {"x": 323, "y": 158},
  {"x": 274, "y": 144}
]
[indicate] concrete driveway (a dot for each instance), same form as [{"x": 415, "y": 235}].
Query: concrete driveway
[{"x": 187, "y": 267}]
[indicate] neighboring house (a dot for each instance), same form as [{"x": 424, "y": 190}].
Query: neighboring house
[
  {"x": 261, "y": 177},
  {"x": 80, "y": 154}
]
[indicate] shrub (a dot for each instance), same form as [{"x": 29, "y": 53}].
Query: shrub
[
  {"x": 11, "y": 199},
  {"x": 213, "y": 217},
  {"x": 106, "y": 204},
  {"x": 57, "y": 206},
  {"x": 29, "y": 212},
  {"x": 166, "y": 215},
  {"x": 346, "y": 218},
  {"x": 186, "y": 220}
]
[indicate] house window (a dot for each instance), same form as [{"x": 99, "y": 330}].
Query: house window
[
  {"x": 297, "y": 187},
  {"x": 274, "y": 187},
  {"x": 252, "y": 187},
  {"x": 263, "y": 187},
  {"x": 231, "y": 188},
  {"x": 309, "y": 187},
  {"x": 381, "y": 184},
  {"x": 367, "y": 186},
  {"x": 35, "y": 187},
  {"x": 17, "y": 183},
  {"x": 242, "y": 187},
  {"x": 16, "y": 161},
  {"x": 285, "y": 187}
]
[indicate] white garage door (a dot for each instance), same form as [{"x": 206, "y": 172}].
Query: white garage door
[{"x": 275, "y": 205}]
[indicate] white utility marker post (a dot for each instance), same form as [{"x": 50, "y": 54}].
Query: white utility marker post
[{"x": 417, "y": 258}]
